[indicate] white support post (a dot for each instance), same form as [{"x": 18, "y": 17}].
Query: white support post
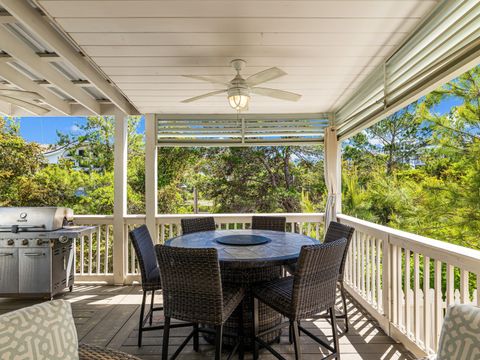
[
  {"x": 151, "y": 195},
  {"x": 333, "y": 167},
  {"x": 120, "y": 241}
]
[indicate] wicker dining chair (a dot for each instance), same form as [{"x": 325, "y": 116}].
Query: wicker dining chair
[
  {"x": 336, "y": 231},
  {"x": 192, "y": 291},
  {"x": 309, "y": 292},
  {"x": 274, "y": 223},
  {"x": 198, "y": 224},
  {"x": 150, "y": 272}
]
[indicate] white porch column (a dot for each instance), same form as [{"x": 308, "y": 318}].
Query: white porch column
[
  {"x": 151, "y": 195},
  {"x": 333, "y": 173},
  {"x": 120, "y": 199}
]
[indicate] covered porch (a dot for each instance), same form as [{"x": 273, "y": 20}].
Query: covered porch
[{"x": 125, "y": 59}]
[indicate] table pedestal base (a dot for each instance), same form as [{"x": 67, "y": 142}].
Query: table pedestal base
[{"x": 268, "y": 318}]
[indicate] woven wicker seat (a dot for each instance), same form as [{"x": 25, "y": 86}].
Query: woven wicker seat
[
  {"x": 274, "y": 223},
  {"x": 150, "y": 272},
  {"x": 310, "y": 291},
  {"x": 336, "y": 231},
  {"x": 90, "y": 352},
  {"x": 197, "y": 224},
  {"x": 192, "y": 291}
]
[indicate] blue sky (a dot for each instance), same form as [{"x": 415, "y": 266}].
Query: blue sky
[{"x": 44, "y": 129}]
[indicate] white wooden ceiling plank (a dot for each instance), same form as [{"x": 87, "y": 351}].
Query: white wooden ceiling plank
[
  {"x": 287, "y": 79},
  {"x": 175, "y": 61},
  {"x": 146, "y": 9},
  {"x": 236, "y": 25},
  {"x": 206, "y": 86},
  {"x": 238, "y": 51},
  {"x": 227, "y": 71},
  {"x": 165, "y": 93},
  {"x": 240, "y": 39}
]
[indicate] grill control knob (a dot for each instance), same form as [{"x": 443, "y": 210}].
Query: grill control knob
[
  {"x": 25, "y": 242},
  {"x": 10, "y": 242},
  {"x": 63, "y": 239}
]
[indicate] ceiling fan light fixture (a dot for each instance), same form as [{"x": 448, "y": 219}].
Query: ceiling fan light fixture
[{"x": 238, "y": 99}]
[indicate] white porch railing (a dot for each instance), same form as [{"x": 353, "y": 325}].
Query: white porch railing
[
  {"x": 94, "y": 254},
  {"x": 384, "y": 264}
]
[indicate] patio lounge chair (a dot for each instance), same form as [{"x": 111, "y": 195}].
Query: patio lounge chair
[
  {"x": 460, "y": 335},
  {"x": 47, "y": 331},
  {"x": 310, "y": 291}
]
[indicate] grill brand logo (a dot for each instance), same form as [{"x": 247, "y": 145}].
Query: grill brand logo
[{"x": 23, "y": 217}]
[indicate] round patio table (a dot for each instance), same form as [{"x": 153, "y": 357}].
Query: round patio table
[{"x": 255, "y": 256}]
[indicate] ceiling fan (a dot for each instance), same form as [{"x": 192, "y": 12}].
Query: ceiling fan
[
  {"x": 27, "y": 100},
  {"x": 239, "y": 89}
]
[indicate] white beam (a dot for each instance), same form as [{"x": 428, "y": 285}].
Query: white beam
[
  {"x": 29, "y": 17},
  {"x": 21, "y": 52},
  {"x": 333, "y": 172},
  {"x": 120, "y": 241},
  {"x": 30, "y": 107},
  {"x": 16, "y": 78},
  {"x": 151, "y": 194}
]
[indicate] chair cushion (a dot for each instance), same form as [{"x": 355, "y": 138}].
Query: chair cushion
[
  {"x": 460, "y": 337},
  {"x": 42, "y": 332},
  {"x": 277, "y": 294}
]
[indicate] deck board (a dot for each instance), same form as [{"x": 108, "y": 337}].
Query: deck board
[{"x": 108, "y": 316}]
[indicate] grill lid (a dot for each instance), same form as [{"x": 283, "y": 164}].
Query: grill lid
[{"x": 16, "y": 219}]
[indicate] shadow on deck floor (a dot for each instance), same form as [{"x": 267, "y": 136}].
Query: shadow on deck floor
[{"x": 108, "y": 316}]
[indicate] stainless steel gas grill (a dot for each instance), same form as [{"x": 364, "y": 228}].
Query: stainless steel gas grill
[{"x": 36, "y": 250}]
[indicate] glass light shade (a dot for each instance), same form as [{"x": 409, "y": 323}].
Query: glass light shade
[{"x": 238, "y": 101}]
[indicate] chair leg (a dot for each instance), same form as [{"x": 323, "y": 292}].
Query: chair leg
[
  {"x": 142, "y": 314},
  {"x": 333, "y": 320},
  {"x": 241, "y": 332},
  {"x": 166, "y": 335},
  {"x": 151, "y": 307},
  {"x": 195, "y": 337},
  {"x": 255, "y": 328},
  {"x": 296, "y": 340},
  {"x": 290, "y": 334},
  {"x": 344, "y": 302},
  {"x": 218, "y": 341}
]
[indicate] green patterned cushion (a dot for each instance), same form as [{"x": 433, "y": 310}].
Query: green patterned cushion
[
  {"x": 41, "y": 332},
  {"x": 460, "y": 338}
]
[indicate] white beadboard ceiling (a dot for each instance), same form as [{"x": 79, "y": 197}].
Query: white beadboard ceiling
[{"x": 326, "y": 47}]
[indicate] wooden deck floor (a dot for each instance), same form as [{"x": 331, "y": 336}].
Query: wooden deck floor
[{"x": 108, "y": 316}]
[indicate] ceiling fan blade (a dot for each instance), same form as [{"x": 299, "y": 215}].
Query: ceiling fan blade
[
  {"x": 195, "y": 98},
  {"x": 265, "y": 75},
  {"x": 275, "y": 93},
  {"x": 33, "y": 108},
  {"x": 207, "y": 79},
  {"x": 21, "y": 94}
]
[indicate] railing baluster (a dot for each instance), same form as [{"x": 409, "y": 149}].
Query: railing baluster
[
  {"x": 400, "y": 297},
  {"x": 82, "y": 257},
  {"x": 406, "y": 291},
  {"x": 450, "y": 285},
  {"x": 374, "y": 271},
  {"x": 98, "y": 250},
  {"x": 368, "y": 296},
  {"x": 416, "y": 295},
  {"x": 107, "y": 247},
  {"x": 90, "y": 251},
  {"x": 464, "y": 293},
  {"x": 438, "y": 300},
  {"x": 426, "y": 303}
]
